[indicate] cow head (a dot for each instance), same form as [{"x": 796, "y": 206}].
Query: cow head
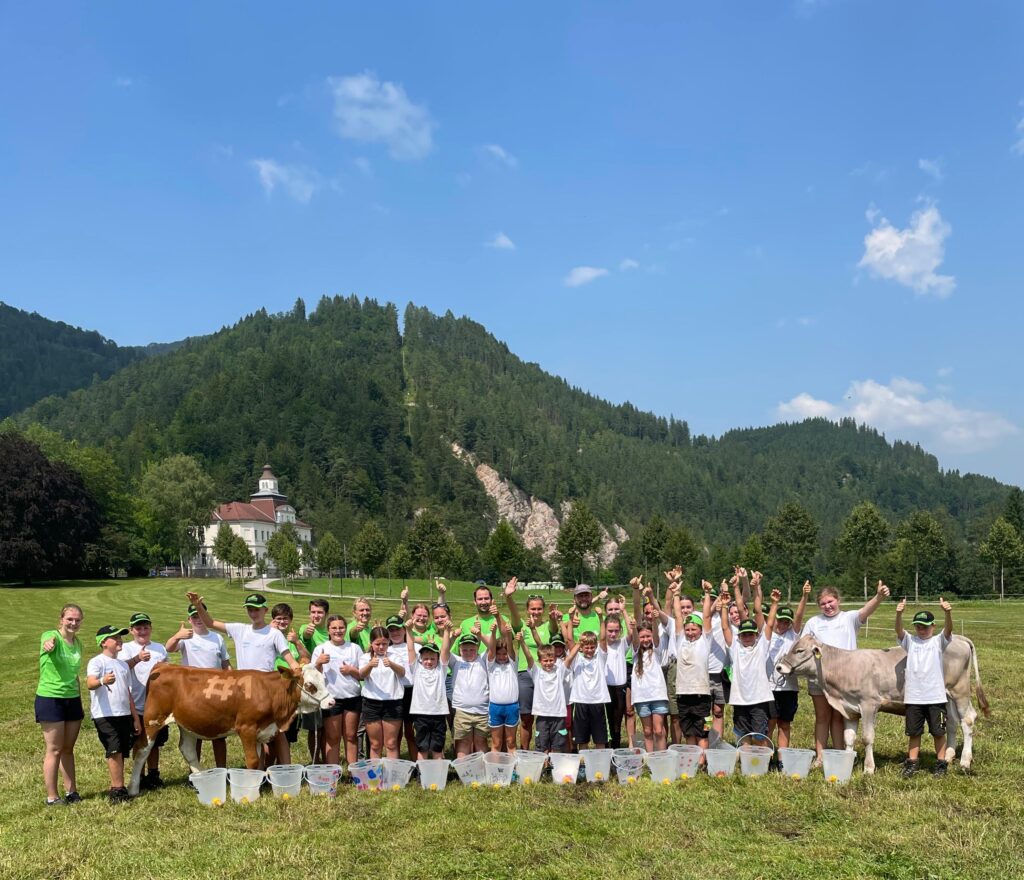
[
  {"x": 313, "y": 690},
  {"x": 802, "y": 659}
]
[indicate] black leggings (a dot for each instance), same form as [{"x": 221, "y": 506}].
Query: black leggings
[{"x": 616, "y": 711}]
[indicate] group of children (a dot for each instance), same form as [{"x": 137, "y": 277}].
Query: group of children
[{"x": 559, "y": 681}]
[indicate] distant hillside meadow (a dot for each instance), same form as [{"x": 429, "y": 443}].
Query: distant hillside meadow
[{"x": 359, "y": 420}]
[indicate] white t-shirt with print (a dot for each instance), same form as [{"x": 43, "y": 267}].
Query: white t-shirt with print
[
  {"x": 381, "y": 683},
  {"x": 429, "y": 696},
  {"x": 589, "y": 678},
  {"x": 926, "y": 681},
  {"x": 503, "y": 682},
  {"x": 839, "y": 631},
  {"x": 749, "y": 673},
  {"x": 549, "y": 690},
  {"x": 206, "y": 651},
  {"x": 110, "y": 701},
  {"x": 339, "y": 685},
  {"x": 470, "y": 691},
  {"x": 692, "y": 659},
  {"x": 257, "y": 649}
]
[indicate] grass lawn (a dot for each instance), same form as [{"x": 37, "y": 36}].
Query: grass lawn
[
  {"x": 380, "y": 588},
  {"x": 962, "y": 826}
]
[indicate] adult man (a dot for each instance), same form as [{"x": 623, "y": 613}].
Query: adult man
[
  {"x": 312, "y": 634},
  {"x": 483, "y": 599},
  {"x": 583, "y": 615}
]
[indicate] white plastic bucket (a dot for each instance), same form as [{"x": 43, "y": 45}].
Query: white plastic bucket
[
  {"x": 796, "y": 763},
  {"x": 395, "y": 773},
  {"x": 245, "y": 784},
  {"x": 323, "y": 778},
  {"x": 211, "y": 786},
  {"x": 837, "y": 764},
  {"x": 530, "y": 766},
  {"x": 564, "y": 768},
  {"x": 689, "y": 759},
  {"x": 285, "y": 779},
  {"x": 433, "y": 773},
  {"x": 597, "y": 764},
  {"x": 366, "y": 775},
  {"x": 629, "y": 764},
  {"x": 498, "y": 768},
  {"x": 664, "y": 766},
  {"x": 721, "y": 761},
  {"x": 470, "y": 769},
  {"x": 754, "y": 760}
]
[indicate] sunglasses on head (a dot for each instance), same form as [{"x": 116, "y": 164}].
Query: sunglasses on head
[
  {"x": 437, "y": 605},
  {"x": 533, "y": 596}
]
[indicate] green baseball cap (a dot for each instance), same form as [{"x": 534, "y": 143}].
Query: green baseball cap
[
  {"x": 696, "y": 618},
  {"x": 557, "y": 639},
  {"x": 139, "y": 617},
  {"x": 784, "y": 613},
  {"x": 468, "y": 639},
  {"x": 394, "y": 622},
  {"x": 193, "y": 610},
  {"x": 924, "y": 618},
  {"x": 255, "y": 600},
  {"x": 748, "y": 626},
  {"x": 429, "y": 646},
  {"x": 108, "y": 631}
]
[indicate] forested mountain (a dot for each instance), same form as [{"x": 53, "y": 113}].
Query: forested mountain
[
  {"x": 358, "y": 420},
  {"x": 39, "y": 357}
]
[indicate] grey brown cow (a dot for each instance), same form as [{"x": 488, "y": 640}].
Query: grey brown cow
[{"x": 859, "y": 684}]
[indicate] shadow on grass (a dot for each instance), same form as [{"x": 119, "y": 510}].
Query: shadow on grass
[{"x": 61, "y": 585}]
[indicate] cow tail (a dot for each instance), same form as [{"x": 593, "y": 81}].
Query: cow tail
[{"x": 977, "y": 682}]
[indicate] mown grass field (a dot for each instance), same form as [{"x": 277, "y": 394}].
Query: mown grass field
[{"x": 962, "y": 826}]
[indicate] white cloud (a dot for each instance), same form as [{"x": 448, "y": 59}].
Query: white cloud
[
  {"x": 366, "y": 109},
  {"x": 364, "y": 166},
  {"x": 628, "y": 264},
  {"x": 297, "y": 182},
  {"x": 932, "y": 167},
  {"x": 501, "y": 242},
  {"x": 910, "y": 256},
  {"x": 496, "y": 151},
  {"x": 583, "y": 275},
  {"x": 907, "y": 409}
]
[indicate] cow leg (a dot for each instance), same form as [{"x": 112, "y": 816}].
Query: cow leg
[
  {"x": 187, "y": 746},
  {"x": 139, "y": 761},
  {"x": 967, "y": 718},
  {"x": 868, "y": 716},
  {"x": 251, "y": 748}
]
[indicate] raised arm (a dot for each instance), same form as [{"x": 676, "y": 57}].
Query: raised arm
[
  {"x": 204, "y": 615},
  {"x": 526, "y": 647},
  {"x": 798, "y": 617},
  {"x": 510, "y": 601},
  {"x": 403, "y": 610},
  {"x": 872, "y": 604},
  {"x": 706, "y": 610},
  {"x": 446, "y": 643},
  {"x": 947, "y": 609},
  {"x": 410, "y": 643},
  {"x": 510, "y": 642},
  {"x": 602, "y": 637},
  {"x": 181, "y": 635},
  {"x": 573, "y": 651},
  {"x": 638, "y": 610},
  {"x": 769, "y": 627},
  {"x": 741, "y": 605},
  {"x": 491, "y": 640},
  {"x": 726, "y": 626},
  {"x": 900, "y": 631},
  {"x": 758, "y": 601}
]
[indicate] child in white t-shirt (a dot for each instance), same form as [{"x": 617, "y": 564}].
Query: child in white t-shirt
[
  {"x": 428, "y": 671},
  {"x": 503, "y": 686},
  {"x": 142, "y": 654},
  {"x": 750, "y": 694},
  {"x": 588, "y": 661},
  {"x": 924, "y": 694},
  {"x": 339, "y": 661},
  {"x": 693, "y": 684},
  {"x": 549, "y": 702},
  {"x": 647, "y": 684},
  {"x": 470, "y": 694},
  {"x": 785, "y": 689},
  {"x": 382, "y": 695},
  {"x": 618, "y": 637},
  {"x": 111, "y": 707}
]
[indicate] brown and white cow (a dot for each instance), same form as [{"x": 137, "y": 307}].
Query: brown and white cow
[
  {"x": 859, "y": 684},
  {"x": 211, "y": 703}
]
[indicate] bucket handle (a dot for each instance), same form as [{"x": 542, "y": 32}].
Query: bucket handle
[{"x": 766, "y": 741}]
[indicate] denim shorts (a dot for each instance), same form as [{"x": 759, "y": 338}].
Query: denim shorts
[
  {"x": 651, "y": 707},
  {"x": 503, "y": 714}
]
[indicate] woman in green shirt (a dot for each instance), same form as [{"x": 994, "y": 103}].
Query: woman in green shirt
[{"x": 59, "y": 703}]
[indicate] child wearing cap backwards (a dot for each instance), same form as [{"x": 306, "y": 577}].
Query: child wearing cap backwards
[
  {"x": 503, "y": 687},
  {"x": 650, "y": 652},
  {"x": 924, "y": 694},
  {"x": 549, "y": 700},
  {"x": 202, "y": 649},
  {"x": 751, "y": 692},
  {"x": 589, "y": 697},
  {"x": 396, "y": 627},
  {"x": 339, "y": 661},
  {"x": 142, "y": 654},
  {"x": 785, "y": 690},
  {"x": 382, "y": 694},
  {"x": 428, "y": 669},
  {"x": 111, "y": 706},
  {"x": 470, "y": 694},
  {"x": 692, "y": 685}
]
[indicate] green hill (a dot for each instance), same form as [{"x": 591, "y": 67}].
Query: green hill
[
  {"x": 358, "y": 421},
  {"x": 39, "y": 357}
]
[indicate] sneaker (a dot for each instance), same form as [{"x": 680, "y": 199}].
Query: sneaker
[
  {"x": 940, "y": 768},
  {"x": 119, "y": 795},
  {"x": 154, "y": 781},
  {"x": 72, "y": 797},
  {"x": 910, "y": 768},
  {"x": 55, "y": 802}
]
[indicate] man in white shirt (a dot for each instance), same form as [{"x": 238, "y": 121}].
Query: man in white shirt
[
  {"x": 142, "y": 654},
  {"x": 924, "y": 694},
  {"x": 257, "y": 644},
  {"x": 202, "y": 649}
]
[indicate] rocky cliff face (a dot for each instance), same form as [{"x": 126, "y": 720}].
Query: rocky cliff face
[{"x": 534, "y": 519}]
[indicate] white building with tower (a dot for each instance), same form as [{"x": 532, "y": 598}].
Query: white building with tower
[{"x": 255, "y": 521}]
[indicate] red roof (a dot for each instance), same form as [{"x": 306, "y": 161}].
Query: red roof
[
  {"x": 302, "y": 524},
  {"x": 237, "y": 511}
]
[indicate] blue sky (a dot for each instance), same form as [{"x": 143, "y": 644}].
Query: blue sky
[{"x": 736, "y": 214}]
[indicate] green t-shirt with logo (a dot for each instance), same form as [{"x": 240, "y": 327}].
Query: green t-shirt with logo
[
  {"x": 361, "y": 638},
  {"x": 318, "y": 638},
  {"x": 59, "y": 668},
  {"x": 590, "y": 621}
]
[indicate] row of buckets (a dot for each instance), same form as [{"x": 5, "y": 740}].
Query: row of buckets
[{"x": 499, "y": 769}]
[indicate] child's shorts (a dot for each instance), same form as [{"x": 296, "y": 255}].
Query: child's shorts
[
  {"x": 407, "y": 702},
  {"x": 720, "y": 688},
  {"x": 116, "y": 734},
  {"x": 430, "y": 731},
  {"x": 935, "y": 714},
  {"x": 503, "y": 714},
  {"x": 381, "y": 710},
  {"x": 525, "y": 692},
  {"x": 651, "y": 707},
  {"x": 467, "y": 723},
  {"x": 590, "y": 723},
  {"x": 552, "y": 734},
  {"x": 693, "y": 712},
  {"x": 750, "y": 719},
  {"x": 783, "y": 705}
]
